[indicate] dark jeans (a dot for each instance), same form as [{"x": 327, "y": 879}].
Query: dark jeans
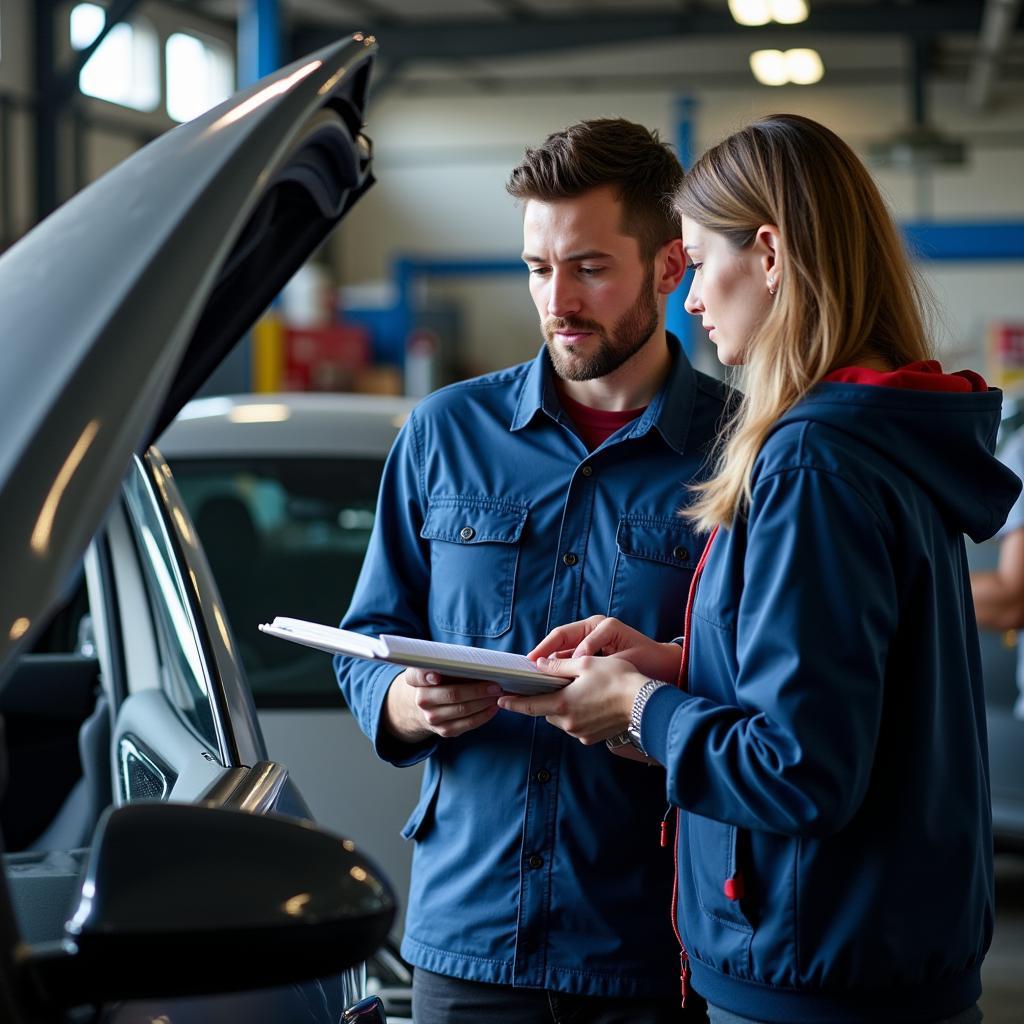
[{"x": 437, "y": 999}]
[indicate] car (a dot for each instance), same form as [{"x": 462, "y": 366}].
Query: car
[
  {"x": 282, "y": 489},
  {"x": 159, "y": 864}
]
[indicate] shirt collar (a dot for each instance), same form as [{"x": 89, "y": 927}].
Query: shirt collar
[{"x": 669, "y": 411}]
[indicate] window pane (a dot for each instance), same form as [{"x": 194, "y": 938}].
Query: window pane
[
  {"x": 125, "y": 67},
  {"x": 199, "y": 76},
  {"x": 283, "y": 537},
  {"x": 86, "y": 22},
  {"x": 183, "y": 667}
]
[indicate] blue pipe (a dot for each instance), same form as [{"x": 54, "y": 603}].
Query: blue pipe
[{"x": 928, "y": 241}]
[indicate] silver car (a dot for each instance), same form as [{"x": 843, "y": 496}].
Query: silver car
[
  {"x": 282, "y": 489},
  {"x": 159, "y": 863}
]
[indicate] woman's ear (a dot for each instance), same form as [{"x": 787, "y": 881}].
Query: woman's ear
[
  {"x": 768, "y": 243},
  {"x": 768, "y": 246}
]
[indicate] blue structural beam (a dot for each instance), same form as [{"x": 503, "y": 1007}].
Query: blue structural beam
[
  {"x": 966, "y": 243},
  {"x": 258, "y": 54},
  {"x": 259, "y": 40},
  {"x": 677, "y": 320}
]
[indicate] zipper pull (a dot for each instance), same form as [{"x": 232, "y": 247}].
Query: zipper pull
[
  {"x": 663, "y": 842},
  {"x": 684, "y": 975}
]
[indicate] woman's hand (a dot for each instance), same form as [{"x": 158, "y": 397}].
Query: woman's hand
[
  {"x": 602, "y": 635},
  {"x": 591, "y": 708}
]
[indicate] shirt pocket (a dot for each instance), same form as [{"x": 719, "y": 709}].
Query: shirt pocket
[
  {"x": 474, "y": 555},
  {"x": 655, "y": 557}
]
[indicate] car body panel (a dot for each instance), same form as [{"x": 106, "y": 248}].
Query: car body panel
[{"x": 136, "y": 288}]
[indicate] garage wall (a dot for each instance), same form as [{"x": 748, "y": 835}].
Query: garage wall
[
  {"x": 442, "y": 161},
  {"x": 109, "y": 133}
]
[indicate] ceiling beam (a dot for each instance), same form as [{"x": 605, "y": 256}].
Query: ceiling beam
[
  {"x": 996, "y": 28},
  {"x": 448, "y": 39}
]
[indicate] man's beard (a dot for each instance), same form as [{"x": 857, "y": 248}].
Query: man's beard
[{"x": 631, "y": 332}]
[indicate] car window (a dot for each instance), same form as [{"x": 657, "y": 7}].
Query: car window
[
  {"x": 284, "y": 536},
  {"x": 183, "y": 668}
]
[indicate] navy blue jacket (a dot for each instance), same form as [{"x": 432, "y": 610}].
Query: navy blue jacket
[
  {"x": 830, "y": 758},
  {"x": 536, "y": 860}
]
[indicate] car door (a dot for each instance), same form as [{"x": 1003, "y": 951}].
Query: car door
[{"x": 184, "y": 727}]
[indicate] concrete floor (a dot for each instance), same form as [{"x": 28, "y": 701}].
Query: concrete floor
[{"x": 1002, "y": 975}]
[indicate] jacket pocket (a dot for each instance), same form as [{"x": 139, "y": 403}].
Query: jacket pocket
[
  {"x": 474, "y": 554},
  {"x": 718, "y": 877},
  {"x": 656, "y": 557},
  {"x": 422, "y": 814}
]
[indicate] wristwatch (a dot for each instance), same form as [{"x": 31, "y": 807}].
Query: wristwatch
[
  {"x": 631, "y": 734},
  {"x": 635, "y": 716}
]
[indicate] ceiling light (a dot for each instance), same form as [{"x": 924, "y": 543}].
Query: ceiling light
[
  {"x": 799, "y": 66},
  {"x": 769, "y": 67},
  {"x": 805, "y": 67},
  {"x": 750, "y": 12},
  {"x": 788, "y": 12}
]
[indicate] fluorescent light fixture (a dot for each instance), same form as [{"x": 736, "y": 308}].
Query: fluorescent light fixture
[
  {"x": 769, "y": 67},
  {"x": 799, "y": 67},
  {"x": 750, "y": 12},
  {"x": 805, "y": 67},
  {"x": 788, "y": 12}
]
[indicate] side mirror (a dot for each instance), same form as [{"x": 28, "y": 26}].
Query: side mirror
[{"x": 179, "y": 900}]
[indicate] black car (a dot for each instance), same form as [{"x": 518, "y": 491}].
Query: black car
[{"x": 158, "y": 863}]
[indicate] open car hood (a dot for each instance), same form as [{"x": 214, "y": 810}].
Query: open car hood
[{"x": 119, "y": 305}]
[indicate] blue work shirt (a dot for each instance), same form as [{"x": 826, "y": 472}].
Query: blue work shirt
[{"x": 537, "y": 860}]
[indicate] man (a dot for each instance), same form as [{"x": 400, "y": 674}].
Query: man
[{"x": 511, "y": 503}]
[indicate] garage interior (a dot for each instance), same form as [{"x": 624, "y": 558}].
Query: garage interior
[{"x": 424, "y": 285}]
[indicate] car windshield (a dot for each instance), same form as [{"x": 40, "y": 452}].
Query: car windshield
[{"x": 284, "y": 536}]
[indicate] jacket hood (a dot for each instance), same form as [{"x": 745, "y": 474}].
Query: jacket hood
[{"x": 943, "y": 441}]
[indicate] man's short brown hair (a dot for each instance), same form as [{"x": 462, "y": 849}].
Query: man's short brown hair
[{"x": 608, "y": 151}]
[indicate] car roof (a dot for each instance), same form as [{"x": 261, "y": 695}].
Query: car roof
[{"x": 295, "y": 425}]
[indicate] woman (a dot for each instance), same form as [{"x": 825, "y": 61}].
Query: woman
[{"x": 825, "y": 742}]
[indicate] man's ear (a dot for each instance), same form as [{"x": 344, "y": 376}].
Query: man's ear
[
  {"x": 768, "y": 245},
  {"x": 669, "y": 266}
]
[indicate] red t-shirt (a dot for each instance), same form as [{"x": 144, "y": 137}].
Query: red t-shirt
[{"x": 595, "y": 426}]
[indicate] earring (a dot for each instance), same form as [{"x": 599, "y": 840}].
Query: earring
[{"x": 772, "y": 287}]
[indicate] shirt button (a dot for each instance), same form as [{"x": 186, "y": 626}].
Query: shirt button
[
  {"x": 587, "y": 470},
  {"x": 680, "y": 552},
  {"x": 467, "y": 533},
  {"x": 569, "y": 558},
  {"x": 536, "y": 861},
  {"x": 543, "y": 775}
]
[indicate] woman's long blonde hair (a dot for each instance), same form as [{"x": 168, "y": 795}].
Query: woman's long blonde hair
[{"x": 846, "y": 289}]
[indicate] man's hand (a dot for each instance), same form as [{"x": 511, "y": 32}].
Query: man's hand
[
  {"x": 421, "y": 704},
  {"x": 603, "y": 635}
]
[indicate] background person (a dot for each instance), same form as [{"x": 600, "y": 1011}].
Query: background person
[
  {"x": 999, "y": 593},
  {"x": 828, "y": 754},
  {"x": 511, "y": 502}
]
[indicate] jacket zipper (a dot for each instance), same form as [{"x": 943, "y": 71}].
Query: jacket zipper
[{"x": 684, "y": 957}]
